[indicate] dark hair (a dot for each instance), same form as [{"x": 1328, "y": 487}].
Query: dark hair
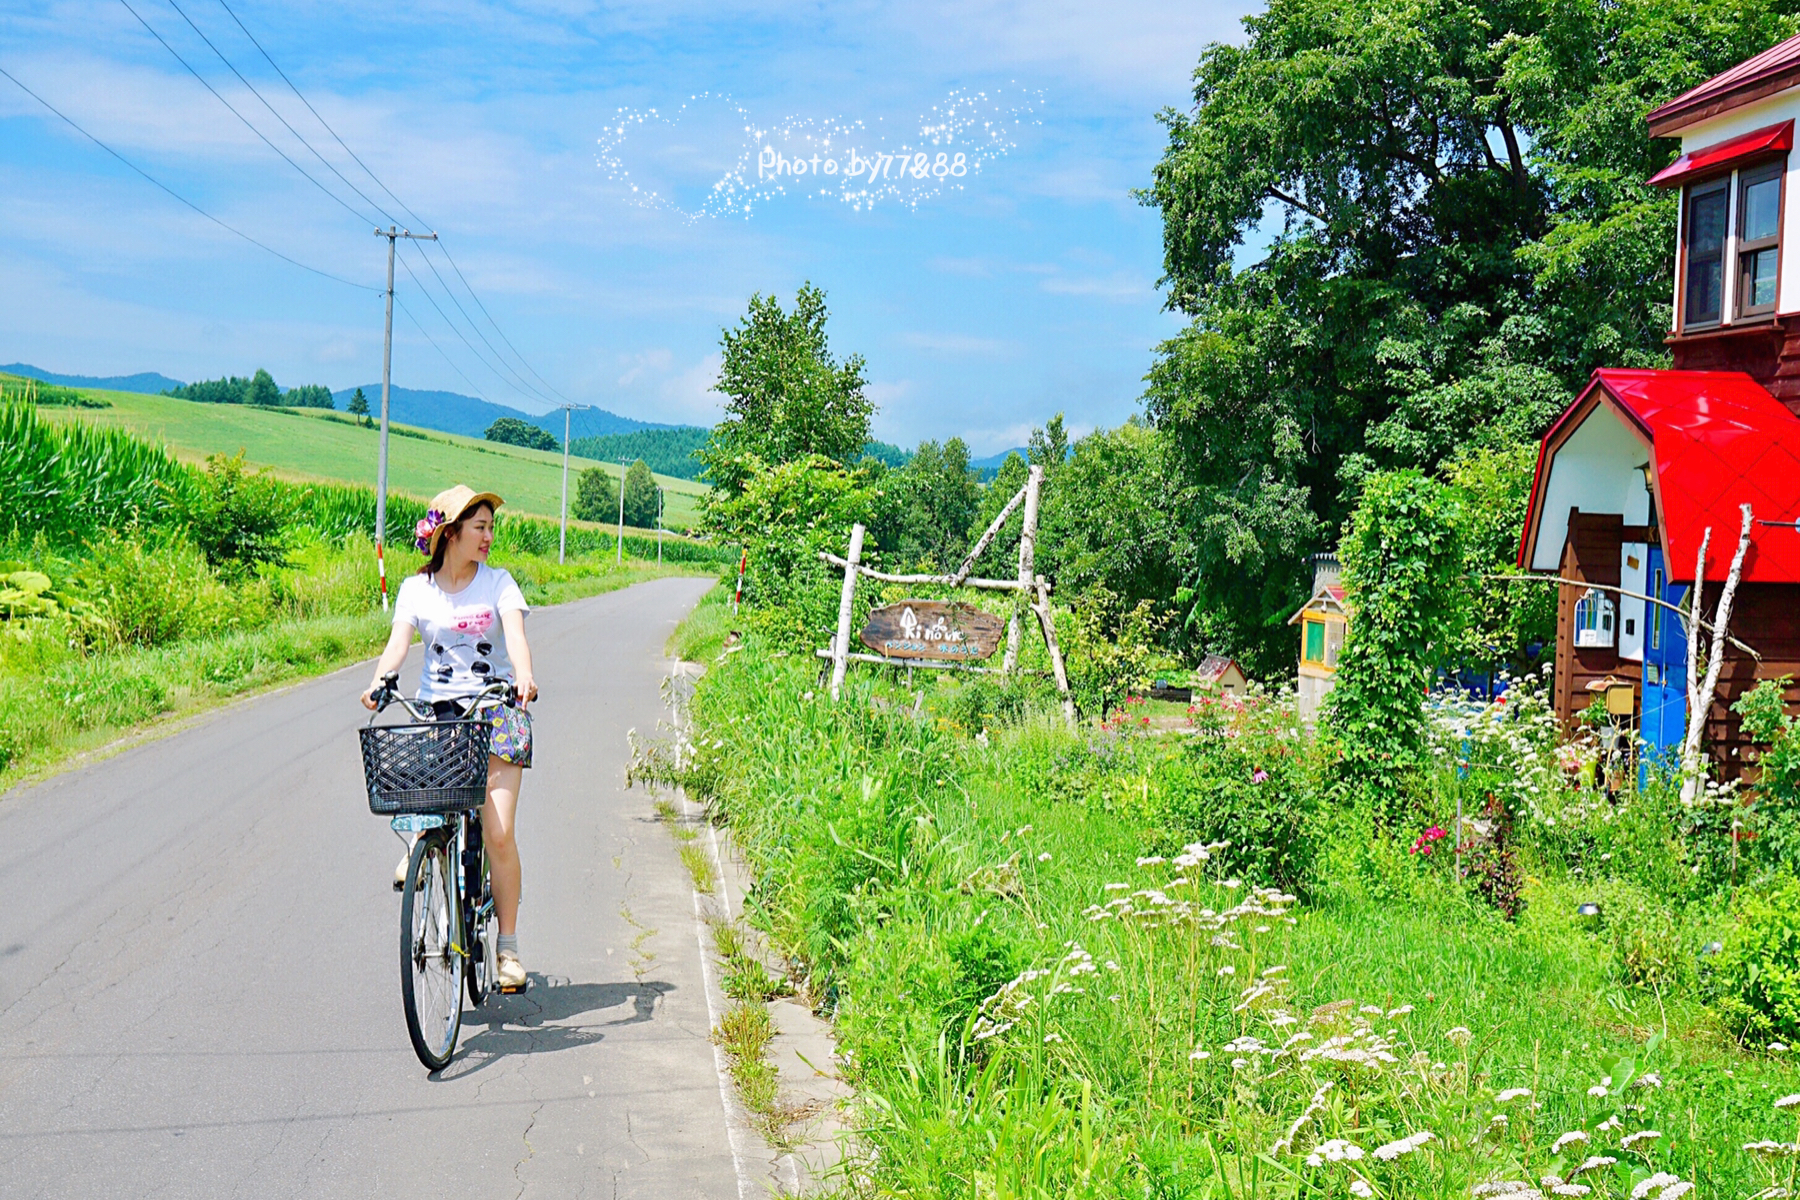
[{"x": 449, "y": 530}]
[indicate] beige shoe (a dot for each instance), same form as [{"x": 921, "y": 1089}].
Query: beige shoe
[
  {"x": 400, "y": 872},
  {"x": 510, "y": 976}
]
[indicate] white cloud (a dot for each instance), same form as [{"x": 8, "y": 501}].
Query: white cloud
[
  {"x": 658, "y": 360},
  {"x": 688, "y": 398},
  {"x": 1114, "y": 287}
]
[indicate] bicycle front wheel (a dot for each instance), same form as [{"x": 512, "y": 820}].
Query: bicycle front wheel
[{"x": 431, "y": 951}]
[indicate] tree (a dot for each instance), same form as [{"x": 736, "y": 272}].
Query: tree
[
  {"x": 596, "y": 497},
  {"x": 935, "y": 497},
  {"x": 262, "y": 390},
  {"x": 787, "y": 397},
  {"x": 359, "y": 405},
  {"x": 309, "y": 395},
  {"x": 512, "y": 431},
  {"x": 228, "y": 390},
  {"x": 640, "y": 496},
  {"x": 1463, "y": 234}
]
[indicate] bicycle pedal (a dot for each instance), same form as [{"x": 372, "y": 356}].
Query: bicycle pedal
[{"x": 515, "y": 991}]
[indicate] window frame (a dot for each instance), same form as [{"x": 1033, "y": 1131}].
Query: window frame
[
  {"x": 1744, "y": 178},
  {"x": 1724, "y": 185},
  {"x": 1308, "y": 624},
  {"x": 1734, "y": 250}
]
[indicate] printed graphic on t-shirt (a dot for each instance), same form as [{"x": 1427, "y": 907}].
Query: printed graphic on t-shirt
[{"x": 464, "y": 640}]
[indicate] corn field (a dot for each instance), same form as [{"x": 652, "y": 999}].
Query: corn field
[{"x": 70, "y": 482}]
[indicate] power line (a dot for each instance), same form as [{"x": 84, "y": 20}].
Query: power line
[
  {"x": 175, "y": 194},
  {"x": 484, "y": 312},
  {"x": 339, "y": 200},
  {"x": 439, "y": 349},
  {"x": 525, "y": 385},
  {"x": 448, "y": 257},
  {"x": 320, "y": 118},
  {"x": 276, "y": 114},
  {"x": 453, "y": 328}
]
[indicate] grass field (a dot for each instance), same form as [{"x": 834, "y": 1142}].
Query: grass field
[{"x": 310, "y": 445}]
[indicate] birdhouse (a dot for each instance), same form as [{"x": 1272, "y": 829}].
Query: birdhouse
[{"x": 1322, "y": 621}]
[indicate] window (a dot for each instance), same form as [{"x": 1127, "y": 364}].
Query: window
[
  {"x": 1759, "y": 238},
  {"x": 1656, "y": 611},
  {"x": 1314, "y": 649},
  {"x": 1334, "y": 642},
  {"x": 1703, "y": 302},
  {"x": 1594, "y": 619}
]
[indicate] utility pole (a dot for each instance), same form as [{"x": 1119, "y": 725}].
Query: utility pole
[
  {"x": 619, "y": 546},
  {"x": 387, "y": 371},
  {"x": 562, "y": 542},
  {"x": 659, "y": 527}
]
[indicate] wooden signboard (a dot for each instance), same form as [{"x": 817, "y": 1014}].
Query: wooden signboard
[{"x": 933, "y": 629}]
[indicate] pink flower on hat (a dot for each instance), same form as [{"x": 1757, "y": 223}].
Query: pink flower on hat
[{"x": 424, "y": 529}]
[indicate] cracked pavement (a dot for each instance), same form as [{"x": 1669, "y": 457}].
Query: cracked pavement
[{"x": 199, "y": 991}]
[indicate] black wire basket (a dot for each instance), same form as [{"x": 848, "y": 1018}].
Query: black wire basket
[{"x": 431, "y": 767}]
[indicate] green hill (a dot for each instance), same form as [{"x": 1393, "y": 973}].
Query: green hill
[
  {"x": 665, "y": 451},
  {"x": 314, "y": 444}
]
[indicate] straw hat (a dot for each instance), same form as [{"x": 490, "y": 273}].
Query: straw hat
[{"x": 447, "y": 508}]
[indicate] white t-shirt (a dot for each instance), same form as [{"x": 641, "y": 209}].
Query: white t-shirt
[{"x": 465, "y": 649}]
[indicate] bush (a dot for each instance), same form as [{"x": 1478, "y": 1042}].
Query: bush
[
  {"x": 240, "y": 520},
  {"x": 154, "y": 593},
  {"x": 1754, "y": 982}
]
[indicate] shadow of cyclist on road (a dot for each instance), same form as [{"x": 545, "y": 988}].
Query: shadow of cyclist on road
[{"x": 545, "y": 1019}]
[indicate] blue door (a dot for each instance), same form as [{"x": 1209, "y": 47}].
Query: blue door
[{"x": 1665, "y": 667}]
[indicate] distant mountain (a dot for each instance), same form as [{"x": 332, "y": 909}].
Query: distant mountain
[
  {"x": 987, "y": 468},
  {"x": 453, "y": 412},
  {"x": 146, "y": 381}
]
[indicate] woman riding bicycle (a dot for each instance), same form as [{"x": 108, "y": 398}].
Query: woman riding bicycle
[{"x": 454, "y": 602}]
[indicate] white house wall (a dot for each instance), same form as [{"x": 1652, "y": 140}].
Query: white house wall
[
  {"x": 1771, "y": 110},
  {"x": 1596, "y": 471}
]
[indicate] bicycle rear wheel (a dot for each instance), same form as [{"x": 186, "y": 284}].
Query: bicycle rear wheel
[
  {"x": 431, "y": 953},
  {"x": 482, "y": 928}
]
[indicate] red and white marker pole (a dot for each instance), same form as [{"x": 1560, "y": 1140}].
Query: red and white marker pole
[
  {"x": 381, "y": 565},
  {"x": 738, "y": 596}
]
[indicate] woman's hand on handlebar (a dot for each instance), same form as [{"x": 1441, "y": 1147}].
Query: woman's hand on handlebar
[{"x": 526, "y": 687}]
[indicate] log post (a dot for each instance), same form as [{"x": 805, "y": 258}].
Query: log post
[
  {"x": 1703, "y": 696},
  {"x": 1027, "y": 563},
  {"x": 1047, "y": 619},
  {"x": 840, "y": 647}
]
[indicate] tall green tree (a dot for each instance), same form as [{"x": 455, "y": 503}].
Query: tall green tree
[
  {"x": 596, "y": 496},
  {"x": 787, "y": 397},
  {"x": 1460, "y": 233},
  {"x": 640, "y": 496},
  {"x": 935, "y": 496},
  {"x": 262, "y": 390},
  {"x": 359, "y": 404}
]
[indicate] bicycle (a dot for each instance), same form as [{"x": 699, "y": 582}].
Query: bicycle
[{"x": 429, "y": 778}]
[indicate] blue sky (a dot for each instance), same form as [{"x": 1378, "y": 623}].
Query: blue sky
[{"x": 981, "y": 309}]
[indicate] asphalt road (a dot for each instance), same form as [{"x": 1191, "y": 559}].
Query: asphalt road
[{"x": 199, "y": 963}]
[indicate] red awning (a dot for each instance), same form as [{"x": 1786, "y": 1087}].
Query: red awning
[{"x": 1762, "y": 141}]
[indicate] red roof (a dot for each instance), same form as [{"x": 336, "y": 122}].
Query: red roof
[
  {"x": 1751, "y": 79},
  {"x": 1720, "y": 440},
  {"x": 1720, "y": 154}
]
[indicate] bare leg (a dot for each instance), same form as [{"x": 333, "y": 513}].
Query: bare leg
[{"x": 497, "y": 835}]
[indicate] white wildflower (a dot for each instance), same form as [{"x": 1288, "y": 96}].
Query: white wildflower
[
  {"x": 1649, "y": 1079},
  {"x": 1593, "y": 1163},
  {"x": 1567, "y": 1139},
  {"x": 1151, "y": 860},
  {"x": 1778, "y": 1048},
  {"x": 1675, "y": 1190},
  {"x": 1360, "y": 1187},
  {"x": 1788, "y": 1101},
  {"x": 1611, "y": 1123},
  {"x": 1599, "y": 1089},
  {"x": 1199, "y": 1055},
  {"x": 1653, "y": 1184},
  {"x": 1238, "y": 1064},
  {"x": 1044, "y": 857},
  {"x": 1460, "y": 1035},
  {"x": 1052, "y": 1037},
  {"x": 1642, "y": 1135},
  {"x": 1511, "y": 1094},
  {"x": 1373, "y": 1010},
  {"x": 1399, "y": 1012},
  {"x": 1227, "y": 969},
  {"x": 1116, "y": 887},
  {"x": 1405, "y": 1145},
  {"x": 1570, "y": 1189},
  {"x": 1336, "y": 1150}
]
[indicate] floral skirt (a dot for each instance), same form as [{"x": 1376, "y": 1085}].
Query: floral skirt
[{"x": 512, "y": 729}]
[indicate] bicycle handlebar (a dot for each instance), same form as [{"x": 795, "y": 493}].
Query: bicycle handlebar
[{"x": 389, "y": 693}]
